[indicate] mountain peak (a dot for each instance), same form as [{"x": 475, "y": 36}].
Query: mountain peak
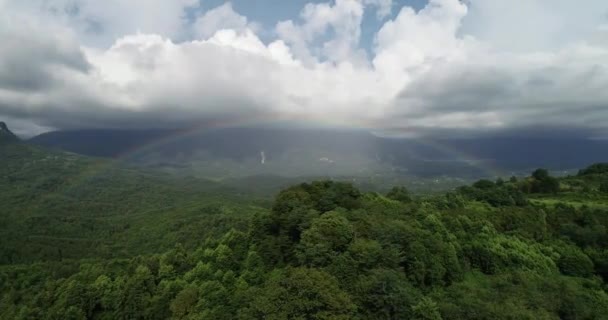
[{"x": 5, "y": 134}]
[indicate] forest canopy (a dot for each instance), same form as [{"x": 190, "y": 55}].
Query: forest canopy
[{"x": 325, "y": 250}]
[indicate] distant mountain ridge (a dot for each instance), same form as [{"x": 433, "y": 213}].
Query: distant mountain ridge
[
  {"x": 99, "y": 142},
  {"x": 328, "y": 150},
  {"x": 6, "y": 135}
]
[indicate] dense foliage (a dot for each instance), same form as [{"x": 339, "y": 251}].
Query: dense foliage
[
  {"x": 57, "y": 206},
  {"x": 598, "y": 168},
  {"x": 126, "y": 245}
]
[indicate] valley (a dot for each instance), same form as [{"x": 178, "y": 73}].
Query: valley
[
  {"x": 303, "y": 160},
  {"x": 100, "y": 238}
]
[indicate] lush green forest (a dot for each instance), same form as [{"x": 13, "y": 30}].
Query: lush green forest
[{"x": 81, "y": 238}]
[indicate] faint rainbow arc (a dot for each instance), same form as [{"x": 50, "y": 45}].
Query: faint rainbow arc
[{"x": 97, "y": 169}]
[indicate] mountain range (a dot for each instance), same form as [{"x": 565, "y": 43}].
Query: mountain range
[
  {"x": 300, "y": 152},
  {"x": 98, "y": 238}
]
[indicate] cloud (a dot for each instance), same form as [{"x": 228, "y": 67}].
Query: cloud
[
  {"x": 383, "y": 7},
  {"x": 35, "y": 64},
  {"x": 343, "y": 19},
  {"x": 100, "y": 23},
  {"x": 441, "y": 70},
  {"x": 533, "y": 25},
  {"x": 221, "y": 18}
]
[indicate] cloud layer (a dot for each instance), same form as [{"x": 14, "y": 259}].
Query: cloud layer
[{"x": 451, "y": 67}]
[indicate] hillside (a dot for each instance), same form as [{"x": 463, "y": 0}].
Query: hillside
[
  {"x": 229, "y": 153},
  {"x": 57, "y": 205},
  {"x": 6, "y": 136},
  {"x": 88, "y": 238}
]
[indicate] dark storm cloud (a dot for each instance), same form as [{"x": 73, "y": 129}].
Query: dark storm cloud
[
  {"x": 551, "y": 132},
  {"x": 463, "y": 89},
  {"x": 29, "y": 57}
]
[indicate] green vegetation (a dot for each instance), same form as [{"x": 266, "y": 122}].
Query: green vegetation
[
  {"x": 598, "y": 168},
  {"x": 62, "y": 206},
  {"x": 84, "y": 239}
]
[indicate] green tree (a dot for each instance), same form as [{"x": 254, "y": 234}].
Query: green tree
[
  {"x": 328, "y": 236},
  {"x": 386, "y": 294},
  {"x": 549, "y": 185},
  {"x": 604, "y": 186},
  {"x": 540, "y": 174},
  {"x": 184, "y": 303},
  {"x": 596, "y": 168},
  {"x": 400, "y": 194},
  {"x": 484, "y": 184},
  {"x": 543, "y": 182},
  {"x": 137, "y": 293},
  {"x": 426, "y": 309},
  {"x": 573, "y": 262},
  {"x": 254, "y": 269},
  {"x": 301, "y": 293}
]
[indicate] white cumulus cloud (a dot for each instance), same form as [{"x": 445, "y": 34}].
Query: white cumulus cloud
[
  {"x": 448, "y": 67},
  {"x": 221, "y": 18}
]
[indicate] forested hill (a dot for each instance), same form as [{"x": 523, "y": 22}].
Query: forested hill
[
  {"x": 56, "y": 205},
  {"x": 81, "y": 240}
]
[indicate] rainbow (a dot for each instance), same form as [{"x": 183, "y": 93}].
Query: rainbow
[{"x": 100, "y": 167}]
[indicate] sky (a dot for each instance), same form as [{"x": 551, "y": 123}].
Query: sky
[{"x": 407, "y": 67}]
